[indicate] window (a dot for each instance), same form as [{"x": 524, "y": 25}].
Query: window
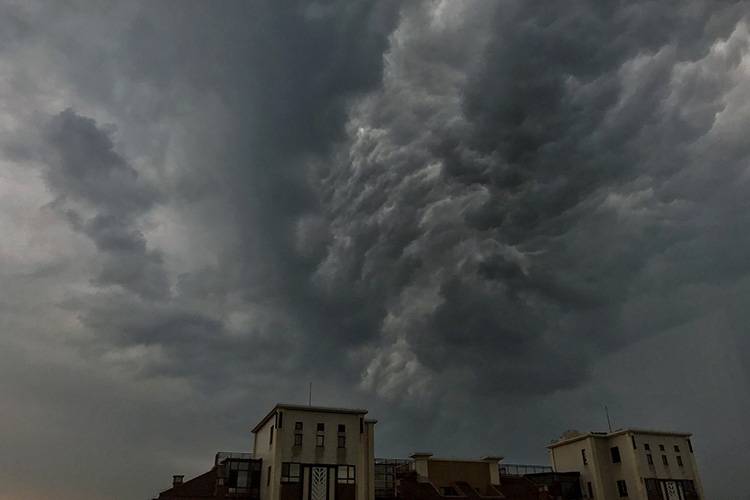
[
  {"x": 342, "y": 436},
  {"x": 345, "y": 474},
  {"x": 646, "y": 446},
  {"x": 690, "y": 446},
  {"x": 661, "y": 447},
  {"x": 591, "y": 489},
  {"x": 615, "y": 451},
  {"x": 320, "y": 438},
  {"x": 664, "y": 460},
  {"x": 290, "y": 472},
  {"x": 653, "y": 489},
  {"x": 632, "y": 439},
  {"x": 297, "y": 433},
  {"x": 361, "y": 425},
  {"x": 689, "y": 488},
  {"x": 583, "y": 457},
  {"x": 676, "y": 449},
  {"x": 270, "y": 437},
  {"x": 679, "y": 461},
  {"x": 281, "y": 418},
  {"x": 268, "y": 477},
  {"x": 237, "y": 474},
  {"x": 622, "y": 488},
  {"x": 650, "y": 459}
]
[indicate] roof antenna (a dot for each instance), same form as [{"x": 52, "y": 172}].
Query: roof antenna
[
  {"x": 309, "y": 396},
  {"x": 609, "y": 422}
]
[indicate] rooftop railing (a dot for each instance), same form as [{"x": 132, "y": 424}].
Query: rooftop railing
[
  {"x": 521, "y": 469},
  {"x": 235, "y": 455}
]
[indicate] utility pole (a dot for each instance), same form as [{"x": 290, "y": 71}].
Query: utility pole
[{"x": 609, "y": 422}]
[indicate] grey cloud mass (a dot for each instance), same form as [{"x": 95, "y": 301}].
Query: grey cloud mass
[{"x": 459, "y": 214}]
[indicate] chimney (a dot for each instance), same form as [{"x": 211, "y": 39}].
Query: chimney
[
  {"x": 421, "y": 464},
  {"x": 177, "y": 480}
]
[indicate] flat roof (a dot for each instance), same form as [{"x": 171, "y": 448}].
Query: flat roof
[
  {"x": 618, "y": 432},
  {"x": 315, "y": 409}
]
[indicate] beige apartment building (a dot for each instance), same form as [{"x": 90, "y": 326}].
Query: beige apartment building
[
  {"x": 630, "y": 463},
  {"x": 315, "y": 453}
]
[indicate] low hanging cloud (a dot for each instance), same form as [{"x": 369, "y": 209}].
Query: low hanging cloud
[{"x": 421, "y": 206}]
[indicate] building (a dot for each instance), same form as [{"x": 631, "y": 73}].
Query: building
[
  {"x": 321, "y": 453},
  {"x": 234, "y": 475},
  {"x": 430, "y": 478},
  {"x": 630, "y": 463},
  {"x": 315, "y": 453},
  {"x": 387, "y": 472}
]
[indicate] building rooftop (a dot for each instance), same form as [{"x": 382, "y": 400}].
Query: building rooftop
[
  {"x": 618, "y": 432},
  {"x": 315, "y": 409}
]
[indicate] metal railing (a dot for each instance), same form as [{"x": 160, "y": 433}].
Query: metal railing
[
  {"x": 521, "y": 469},
  {"x": 224, "y": 455}
]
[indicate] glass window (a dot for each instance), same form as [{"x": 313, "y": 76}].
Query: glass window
[
  {"x": 342, "y": 428},
  {"x": 297, "y": 426},
  {"x": 679, "y": 461},
  {"x": 615, "y": 451},
  {"x": 242, "y": 479},
  {"x": 646, "y": 446},
  {"x": 622, "y": 488},
  {"x": 591, "y": 489},
  {"x": 298, "y": 440},
  {"x": 321, "y": 427},
  {"x": 320, "y": 440},
  {"x": 342, "y": 441},
  {"x": 290, "y": 472},
  {"x": 345, "y": 474},
  {"x": 583, "y": 457},
  {"x": 676, "y": 449},
  {"x": 664, "y": 460},
  {"x": 650, "y": 459},
  {"x": 661, "y": 447}
]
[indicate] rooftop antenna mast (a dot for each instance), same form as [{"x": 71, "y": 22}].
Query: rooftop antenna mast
[
  {"x": 609, "y": 422},
  {"x": 309, "y": 396}
]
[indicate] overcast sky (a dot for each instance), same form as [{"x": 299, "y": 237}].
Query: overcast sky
[{"x": 482, "y": 220}]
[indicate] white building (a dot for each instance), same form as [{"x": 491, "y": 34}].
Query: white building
[
  {"x": 630, "y": 463},
  {"x": 315, "y": 453}
]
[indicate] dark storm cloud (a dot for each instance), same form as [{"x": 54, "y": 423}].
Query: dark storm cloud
[
  {"x": 430, "y": 206},
  {"x": 556, "y": 120},
  {"x": 83, "y": 167}
]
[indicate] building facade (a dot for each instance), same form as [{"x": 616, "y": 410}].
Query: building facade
[
  {"x": 630, "y": 463},
  {"x": 315, "y": 453},
  {"x": 234, "y": 476}
]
